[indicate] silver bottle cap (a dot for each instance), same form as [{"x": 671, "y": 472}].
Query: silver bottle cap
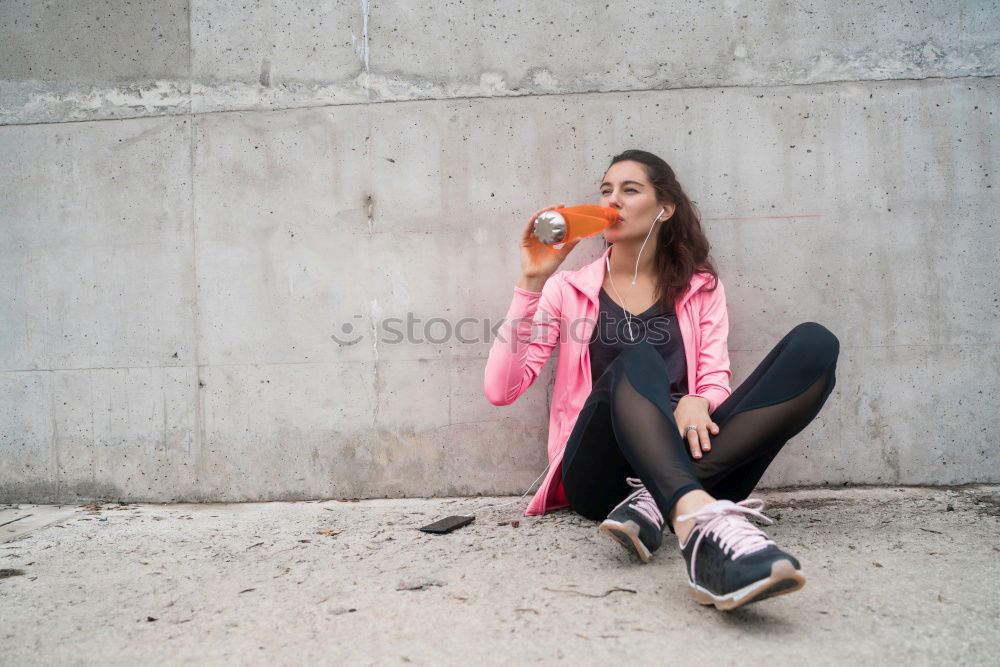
[{"x": 550, "y": 228}]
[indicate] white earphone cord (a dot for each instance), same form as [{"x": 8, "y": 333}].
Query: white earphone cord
[
  {"x": 635, "y": 275},
  {"x": 628, "y": 321},
  {"x": 517, "y": 499}
]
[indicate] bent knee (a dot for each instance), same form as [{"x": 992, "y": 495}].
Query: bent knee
[{"x": 816, "y": 341}]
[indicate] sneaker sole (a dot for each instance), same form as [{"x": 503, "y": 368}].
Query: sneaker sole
[
  {"x": 627, "y": 534},
  {"x": 784, "y": 579}
]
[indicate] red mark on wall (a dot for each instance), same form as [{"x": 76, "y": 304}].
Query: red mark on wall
[{"x": 769, "y": 217}]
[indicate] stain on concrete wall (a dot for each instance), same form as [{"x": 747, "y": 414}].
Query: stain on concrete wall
[{"x": 67, "y": 60}]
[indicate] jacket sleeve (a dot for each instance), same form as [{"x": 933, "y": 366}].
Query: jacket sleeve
[
  {"x": 524, "y": 342},
  {"x": 713, "y": 374}
]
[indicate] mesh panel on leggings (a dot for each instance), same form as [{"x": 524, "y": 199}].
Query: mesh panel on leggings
[
  {"x": 660, "y": 460},
  {"x": 748, "y": 441}
]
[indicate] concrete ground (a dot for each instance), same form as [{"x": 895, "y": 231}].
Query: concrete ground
[{"x": 894, "y": 576}]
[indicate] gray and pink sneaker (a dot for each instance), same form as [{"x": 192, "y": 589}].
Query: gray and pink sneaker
[
  {"x": 636, "y": 522},
  {"x": 730, "y": 561}
]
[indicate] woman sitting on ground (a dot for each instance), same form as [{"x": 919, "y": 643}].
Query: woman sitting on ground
[{"x": 644, "y": 428}]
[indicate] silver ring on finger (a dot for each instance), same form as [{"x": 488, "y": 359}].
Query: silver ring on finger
[{"x": 689, "y": 428}]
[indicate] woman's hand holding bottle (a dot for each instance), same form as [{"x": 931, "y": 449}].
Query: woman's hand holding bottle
[{"x": 539, "y": 261}]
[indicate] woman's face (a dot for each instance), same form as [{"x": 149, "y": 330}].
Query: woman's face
[{"x": 627, "y": 189}]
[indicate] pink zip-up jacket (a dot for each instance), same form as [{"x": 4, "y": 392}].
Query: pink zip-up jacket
[{"x": 565, "y": 312}]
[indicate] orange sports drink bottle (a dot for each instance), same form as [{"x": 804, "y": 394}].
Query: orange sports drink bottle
[{"x": 571, "y": 224}]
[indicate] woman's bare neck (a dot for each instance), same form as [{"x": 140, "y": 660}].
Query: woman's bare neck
[{"x": 623, "y": 258}]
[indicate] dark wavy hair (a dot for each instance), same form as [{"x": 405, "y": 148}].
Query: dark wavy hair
[{"x": 681, "y": 245}]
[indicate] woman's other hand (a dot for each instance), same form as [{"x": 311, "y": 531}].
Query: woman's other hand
[
  {"x": 539, "y": 261},
  {"x": 693, "y": 411}
]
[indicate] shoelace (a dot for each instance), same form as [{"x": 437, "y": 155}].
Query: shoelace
[
  {"x": 727, "y": 520},
  {"x": 643, "y": 502}
]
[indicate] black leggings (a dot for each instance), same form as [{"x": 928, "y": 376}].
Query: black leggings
[{"x": 626, "y": 427}]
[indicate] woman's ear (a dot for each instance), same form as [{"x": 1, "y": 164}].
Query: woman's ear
[{"x": 668, "y": 210}]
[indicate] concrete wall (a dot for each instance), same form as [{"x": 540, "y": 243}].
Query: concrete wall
[{"x": 244, "y": 185}]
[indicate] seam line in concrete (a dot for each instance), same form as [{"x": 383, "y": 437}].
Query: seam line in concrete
[
  {"x": 762, "y": 86},
  {"x": 237, "y": 364},
  {"x": 199, "y": 434},
  {"x": 55, "y": 434},
  {"x": 190, "y": 50}
]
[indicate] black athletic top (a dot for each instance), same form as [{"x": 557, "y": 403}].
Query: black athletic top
[{"x": 656, "y": 325}]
